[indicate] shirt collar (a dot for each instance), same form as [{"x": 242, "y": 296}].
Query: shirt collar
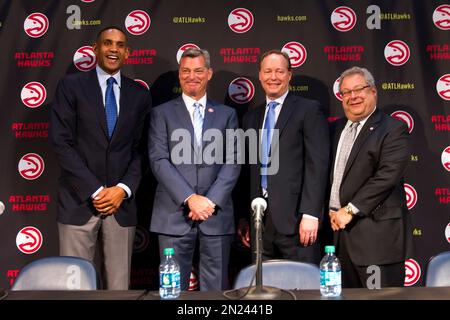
[
  {"x": 280, "y": 100},
  {"x": 188, "y": 101},
  {"x": 103, "y": 76}
]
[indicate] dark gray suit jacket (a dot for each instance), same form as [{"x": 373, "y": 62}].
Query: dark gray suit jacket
[
  {"x": 88, "y": 158},
  {"x": 176, "y": 181}
]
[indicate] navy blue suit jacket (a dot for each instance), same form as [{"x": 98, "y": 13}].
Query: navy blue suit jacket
[
  {"x": 88, "y": 158},
  {"x": 177, "y": 181}
]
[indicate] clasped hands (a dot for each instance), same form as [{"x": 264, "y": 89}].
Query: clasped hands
[
  {"x": 201, "y": 208},
  {"x": 108, "y": 200},
  {"x": 339, "y": 219}
]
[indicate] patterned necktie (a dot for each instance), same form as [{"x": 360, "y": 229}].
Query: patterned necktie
[
  {"x": 344, "y": 152},
  {"x": 110, "y": 106},
  {"x": 198, "y": 123},
  {"x": 269, "y": 124}
]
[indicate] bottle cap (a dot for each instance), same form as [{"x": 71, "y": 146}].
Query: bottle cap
[
  {"x": 169, "y": 251},
  {"x": 329, "y": 249}
]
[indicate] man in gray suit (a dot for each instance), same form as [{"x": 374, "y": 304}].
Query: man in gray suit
[{"x": 193, "y": 198}]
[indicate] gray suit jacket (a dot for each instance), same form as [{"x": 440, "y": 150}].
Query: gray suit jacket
[{"x": 176, "y": 181}]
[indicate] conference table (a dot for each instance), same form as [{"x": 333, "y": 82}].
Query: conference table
[{"x": 407, "y": 293}]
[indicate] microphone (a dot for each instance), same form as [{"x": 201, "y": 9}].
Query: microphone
[{"x": 258, "y": 292}]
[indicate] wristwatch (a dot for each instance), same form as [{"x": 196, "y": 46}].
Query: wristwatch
[{"x": 349, "y": 210}]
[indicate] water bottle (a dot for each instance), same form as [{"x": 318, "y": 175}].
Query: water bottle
[
  {"x": 169, "y": 276},
  {"x": 330, "y": 274}
]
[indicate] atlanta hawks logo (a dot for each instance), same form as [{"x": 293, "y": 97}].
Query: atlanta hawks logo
[
  {"x": 337, "y": 94},
  {"x": 137, "y": 22},
  {"x": 411, "y": 196},
  {"x": 29, "y": 240},
  {"x": 141, "y": 239},
  {"x": 296, "y": 52},
  {"x": 36, "y": 25},
  {"x": 183, "y": 48},
  {"x": 441, "y": 17},
  {"x": 33, "y": 94},
  {"x": 445, "y": 158},
  {"x": 412, "y": 272},
  {"x": 405, "y": 117},
  {"x": 447, "y": 233},
  {"x": 443, "y": 87},
  {"x": 31, "y": 166},
  {"x": 240, "y": 20},
  {"x": 343, "y": 19},
  {"x": 143, "y": 83},
  {"x": 241, "y": 90},
  {"x": 84, "y": 59},
  {"x": 397, "y": 53}
]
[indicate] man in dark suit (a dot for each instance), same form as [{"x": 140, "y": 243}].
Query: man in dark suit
[
  {"x": 97, "y": 121},
  {"x": 193, "y": 197},
  {"x": 368, "y": 209},
  {"x": 296, "y": 191}
]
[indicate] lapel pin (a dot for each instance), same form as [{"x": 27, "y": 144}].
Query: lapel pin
[
  {"x": 210, "y": 110},
  {"x": 371, "y": 128}
]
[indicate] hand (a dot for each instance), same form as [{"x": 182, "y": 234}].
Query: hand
[
  {"x": 334, "y": 225},
  {"x": 108, "y": 200},
  {"x": 243, "y": 231},
  {"x": 201, "y": 208},
  {"x": 308, "y": 231},
  {"x": 342, "y": 218}
]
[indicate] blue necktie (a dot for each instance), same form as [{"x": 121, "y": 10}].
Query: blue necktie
[
  {"x": 110, "y": 106},
  {"x": 198, "y": 123},
  {"x": 269, "y": 124}
]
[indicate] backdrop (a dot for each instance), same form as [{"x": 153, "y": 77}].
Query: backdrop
[{"x": 405, "y": 44}]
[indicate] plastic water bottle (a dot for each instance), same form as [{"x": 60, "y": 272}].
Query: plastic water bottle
[
  {"x": 330, "y": 274},
  {"x": 169, "y": 276}
]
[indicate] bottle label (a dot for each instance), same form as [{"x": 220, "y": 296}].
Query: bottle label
[
  {"x": 169, "y": 280},
  {"x": 330, "y": 278}
]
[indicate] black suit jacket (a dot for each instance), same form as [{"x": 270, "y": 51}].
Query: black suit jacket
[
  {"x": 373, "y": 182},
  {"x": 303, "y": 148},
  {"x": 88, "y": 158}
]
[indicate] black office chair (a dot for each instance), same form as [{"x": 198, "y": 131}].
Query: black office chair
[
  {"x": 57, "y": 273},
  {"x": 283, "y": 274},
  {"x": 438, "y": 271}
]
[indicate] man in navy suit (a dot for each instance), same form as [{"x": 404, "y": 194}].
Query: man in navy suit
[
  {"x": 368, "y": 209},
  {"x": 97, "y": 121},
  {"x": 193, "y": 202},
  {"x": 296, "y": 191}
]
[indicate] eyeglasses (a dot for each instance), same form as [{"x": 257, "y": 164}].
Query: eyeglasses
[
  {"x": 348, "y": 93},
  {"x": 198, "y": 71}
]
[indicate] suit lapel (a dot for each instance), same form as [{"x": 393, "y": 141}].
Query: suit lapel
[
  {"x": 184, "y": 117},
  {"x": 94, "y": 95},
  {"x": 368, "y": 128},
  {"x": 210, "y": 114}
]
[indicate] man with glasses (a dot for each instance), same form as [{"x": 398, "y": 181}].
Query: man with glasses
[
  {"x": 368, "y": 211},
  {"x": 193, "y": 199}
]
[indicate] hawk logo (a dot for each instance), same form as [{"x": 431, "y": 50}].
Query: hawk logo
[
  {"x": 36, "y": 25},
  {"x": 447, "y": 233},
  {"x": 343, "y": 19},
  {"x": 443, "y": 87},
  {"x": 397, "y": 53},
  {"x": 29, "y": 240},
  {"x": 445, "y": 158},
  {"x": 241, "y": 90},
  {"x": 337, "y": 94},
  {"x": 412, "y": 272},
  {"x": 411, "y": 196},
  {"x": 142, "y": 82},
  {"x": 141, "y": 239},
  {"x": 137, "y": 22},
  {"x": 31, "y": 166},
  {"x": 183, "y": 48},
  {"x": 84, "y": 59},
  {"x": 405, "y": 117},
  {"x": 33, "y": 94},
  {"x": 441, "y": 17},
  {"x": 240, "y": 20},
  {"x": 296, "y": 52}
]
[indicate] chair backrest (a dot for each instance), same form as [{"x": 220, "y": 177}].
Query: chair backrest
[
  {"x": 283, "y": 274},
  {"x": 438, "y": 271},
  {"x": 57, "y": 273}
]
